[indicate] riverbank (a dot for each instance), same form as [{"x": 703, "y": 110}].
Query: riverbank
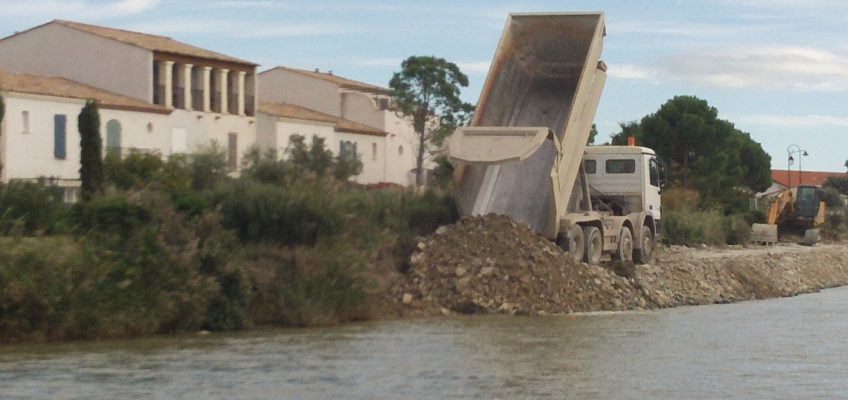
[{"x": 493, "y": 265}]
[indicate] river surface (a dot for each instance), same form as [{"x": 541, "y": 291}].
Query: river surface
[{"x": 784, "y": 348}]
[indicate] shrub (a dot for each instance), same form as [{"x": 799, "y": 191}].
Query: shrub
[
  {"x": 109, "y": 214},
  {"x": 680, "y": 199},
  {"x": 303, "y": 286},
  {"x": 133, "y": 172},
  {"x": 208, "y": 167},
  {"x": 284, "y": 215},
  {"x": 693, "y": 228},
  {"x": 28, "y": 208},
  {"x": 737, "y": 229}
]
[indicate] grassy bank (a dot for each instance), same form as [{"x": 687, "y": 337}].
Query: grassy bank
[{"x": 178, "y": 245}]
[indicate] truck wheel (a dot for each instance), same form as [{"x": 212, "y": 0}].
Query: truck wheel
[
  {"x": 572, "y": 242},
  {"x": 594, "y": 244},
  {"x": 624, "y": 253},
  {"x": 645, "y": 255}
]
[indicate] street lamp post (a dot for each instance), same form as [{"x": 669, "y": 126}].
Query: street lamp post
[{"x": 794, "y": 149}]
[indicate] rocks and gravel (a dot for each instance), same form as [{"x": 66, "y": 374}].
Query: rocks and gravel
[{"x": 492, "y": 264}]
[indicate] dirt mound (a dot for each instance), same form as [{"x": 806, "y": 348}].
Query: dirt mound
[{"x": 492, "y": 264}]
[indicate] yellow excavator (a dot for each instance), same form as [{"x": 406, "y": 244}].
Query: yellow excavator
[{"x": 797, "y": 208}]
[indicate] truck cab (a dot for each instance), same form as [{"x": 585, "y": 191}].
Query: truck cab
[{"x": 624, "y": 179}]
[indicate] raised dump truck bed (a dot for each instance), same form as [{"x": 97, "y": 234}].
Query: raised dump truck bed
[{"x": 547, "y": 75}]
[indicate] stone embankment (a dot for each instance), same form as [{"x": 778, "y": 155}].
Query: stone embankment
[{"x": 494, "y": 265}]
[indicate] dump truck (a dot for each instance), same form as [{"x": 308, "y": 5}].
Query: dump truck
[
  {"x": 525, "y": 153},
  {"x": 798, "y": 208}
]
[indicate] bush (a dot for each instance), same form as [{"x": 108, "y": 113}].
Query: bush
[
  {"x": 109, "y": 214},
  {"x": 27, "y": 208},
  {"x": 135, "y": 171},
  {"x": 208, "y": 167},
  {"x": 304, "y": 286},
  {"x": 161, "y": 274},
  {"x": 737, "y": 229},
  {"x": 680, "y": 199},
  {"x": 283, "y": 215},
  {"x": 692, "y": 228}
]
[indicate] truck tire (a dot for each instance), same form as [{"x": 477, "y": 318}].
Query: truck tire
[
  {"x": 572, "y": 242},
  {"x": 645, "y": 254},
  {"x": 594, "y": 245},
  {"x": 624, "y": 253}
]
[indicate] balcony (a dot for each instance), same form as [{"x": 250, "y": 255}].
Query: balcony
[
  {"x": 159, "y": 95},
  {"x": 232, "y": 104}
]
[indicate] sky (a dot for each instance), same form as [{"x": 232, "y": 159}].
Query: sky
[{"x": 777, "y": 69}]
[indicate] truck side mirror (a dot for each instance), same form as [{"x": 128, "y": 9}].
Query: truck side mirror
[{"x": 663, "y": 179}]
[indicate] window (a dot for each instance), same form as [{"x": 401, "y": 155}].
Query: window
[
  {"x": 232, "y": 151},
  {"x": 654, "y": 172},
  {"x": 374, "y": 151},
  {"x": 25, "y": 121},
  {"x": 346, "y": 147},
  {"x": 60, "y": 127},
  {"x": 627, "y": 166},
  {"x": 113, "y": 138},
  {"x": 590, "y": 166}
]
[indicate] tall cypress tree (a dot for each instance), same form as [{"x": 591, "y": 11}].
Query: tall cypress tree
[{"x": 91, "y": 162}]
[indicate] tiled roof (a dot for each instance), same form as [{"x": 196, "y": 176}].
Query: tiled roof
[
  {"x": 303, "y": 113},
  {"x": 151, "y": 42},
  {"x": 817, "y": 178},
  {"x": 61, "y": 87},
  {"x": 342, "y": 82}
]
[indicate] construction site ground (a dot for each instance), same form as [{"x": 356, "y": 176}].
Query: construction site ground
[{"x": 483, "y": 265}]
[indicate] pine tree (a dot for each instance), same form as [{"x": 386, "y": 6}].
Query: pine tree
[{"x": 91, "y": 162}]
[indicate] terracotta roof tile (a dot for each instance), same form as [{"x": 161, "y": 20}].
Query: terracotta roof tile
[
  {"x": 303, "y": 113},
  {"x": 817, "y": 178},
  {"x": 151, "y": 42},
  {"x": 344, "y": 83},
  {"x": 61, "y": 87}
]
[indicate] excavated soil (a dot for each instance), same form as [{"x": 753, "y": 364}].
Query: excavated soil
[{"x": 494, "y": 265}]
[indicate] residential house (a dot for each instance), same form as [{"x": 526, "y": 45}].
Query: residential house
[
  {"x": 39, "y": 136},
  {"x": 351, "y": 101},
  {"x": 278, "y": 122},
  {"x": 212, "y": 95}
]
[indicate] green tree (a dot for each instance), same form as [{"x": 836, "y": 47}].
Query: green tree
[
  {"x": 703, "y": 151},
  {"x": 592, "y": 134},
  {"x": 427, "y": 90},
  {"x": 208, "y": 167},
  {"x": 91, "y": 161}
]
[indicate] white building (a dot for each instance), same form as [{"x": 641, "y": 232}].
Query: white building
[
  {"x": 212, "y": 95},
  {"x": 353, "y": 101},
  {"x": 278, "y": 122},
  {"x": 39, "y": 136}
]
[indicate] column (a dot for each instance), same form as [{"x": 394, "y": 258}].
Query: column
[
  {"x": 185, "y": 78},
  {"x": 222, "y": 85},
  {"x": 241, "y": 75},
  {"x": 207, "y": 74},
  {"x": 166, "y": 70}
]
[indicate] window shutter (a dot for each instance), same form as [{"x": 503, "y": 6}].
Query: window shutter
[{"x": 59, "y": 136}]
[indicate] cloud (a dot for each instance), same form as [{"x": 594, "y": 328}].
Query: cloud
[
  {"x": 688, "y": 29},
  {"x": 790, "y": 121},
  {"x": 378, "y": 62},
  {"x": 247, "y": 30},
  {"x": 771, "y": 68},
  {"x": 630, "y": 71},
  {"x": 74, "y": 9},
  {"x": 475, "y": 67}
]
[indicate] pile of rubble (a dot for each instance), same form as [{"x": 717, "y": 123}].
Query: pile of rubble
[{"x": 493, "y": 265}]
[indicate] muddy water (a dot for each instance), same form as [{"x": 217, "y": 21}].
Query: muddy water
[{"x": 785, "y": 348}]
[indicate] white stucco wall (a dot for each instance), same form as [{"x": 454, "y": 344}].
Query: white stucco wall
[
  {"x": 202, "y": 128},
  {"x": 360, "y": 107},
  {"x": 29, "y": 154},
  {"x": 282, "y": 86},
  {"x": 134, "y": 130},
  {"x": 56, "y": 50}
]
